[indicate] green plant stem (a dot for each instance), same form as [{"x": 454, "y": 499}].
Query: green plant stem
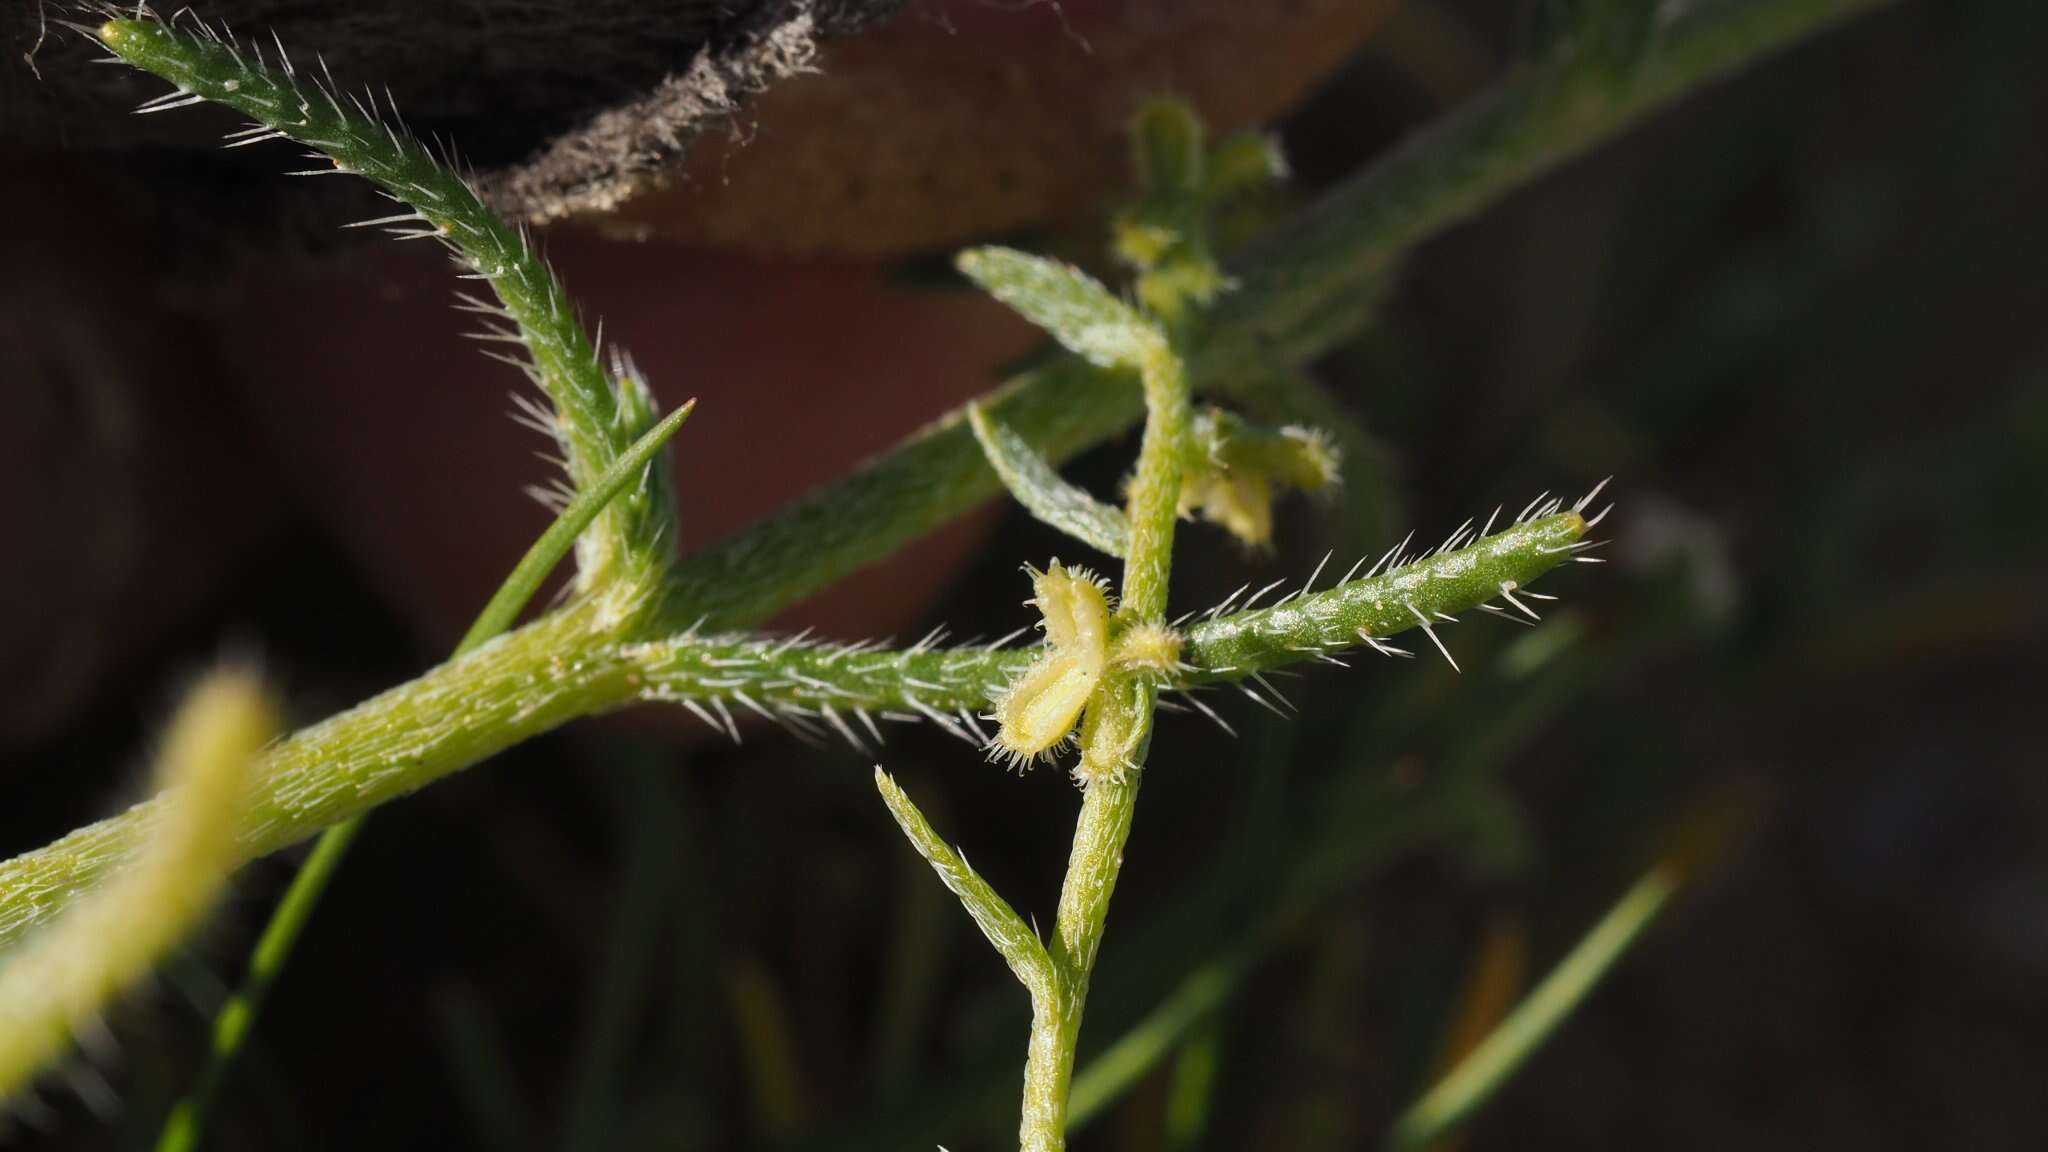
[
  {"x": 1093, "y": 865},
  {"x": 1114, "y": 739},
  {"x": 1155, "y": 488},
  {"x": 630, "y": 471},
  {"x": 587, "y": 659},
  {"x": 597, "y": 416},
  {"x": 1296, "y": 301},
  {"x": 1488, "y": 1066},
  {"x": 185, "y": 1125},
  {"x": 231, "y": 1025},
  {"x": 509, "y": 690}
]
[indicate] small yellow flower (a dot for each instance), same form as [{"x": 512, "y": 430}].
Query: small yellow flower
[{"x": 1038, "y": 711}]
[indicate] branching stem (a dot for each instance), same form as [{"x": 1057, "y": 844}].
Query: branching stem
[
  {"x": 588, "y": 658},
  {"x": 1298, "y": 296},
  {"x": 1114, "y": 740},
  {"x": 596, "y": 416}
]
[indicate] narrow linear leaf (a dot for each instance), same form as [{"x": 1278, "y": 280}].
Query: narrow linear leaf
[
  {"x": 1536, "y": 1018},
  {"x": 1073, "y": 307},
  {"x": 1043, "y": 492},
  {"x": 187, "y": 1121},
  {"x": 1013, "y": 939},
  {"x": 631, "y": 468}
]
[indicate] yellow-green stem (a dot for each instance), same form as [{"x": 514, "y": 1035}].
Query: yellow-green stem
[
  {"x": 1113, "y": 743},
  {"x": 505, "y": 692}
]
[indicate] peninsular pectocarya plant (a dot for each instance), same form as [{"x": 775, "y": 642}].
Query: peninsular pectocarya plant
[{"x": 644, "y": 624}]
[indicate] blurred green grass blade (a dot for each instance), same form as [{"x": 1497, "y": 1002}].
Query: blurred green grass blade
[
  {"x": 1191, "y": 1095},
  {"x": 648, "y": 828},
  {"x": 1120, "y": 1066},
  {"x": 1476, "y": 1078},
  {"x": 187, "y": 1122}
]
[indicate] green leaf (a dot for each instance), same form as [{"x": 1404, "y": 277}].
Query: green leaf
[
  {"x": 1073, "y": 307},
  {"x": 629, "y": 469},
  {"x": 1042, "y": 491},
  {"x": 1013, "y": 939}
]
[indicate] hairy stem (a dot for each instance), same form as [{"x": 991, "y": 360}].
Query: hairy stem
[
  {"x": 507, "y": 691},
  {"x": 186, "y": 1124},
  {"x": 589, "y": 658},
  {"x": 1298, "y": 298},
  {"x": 1114, "y": 739},
  {"x": 1155, "y": 489},
  {"x": 596, "y": 417}
]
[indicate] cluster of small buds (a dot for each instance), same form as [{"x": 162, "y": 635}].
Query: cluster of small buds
[
  {"x": 1165, "y": 234},
  {"x": 1242, "y": 464}
]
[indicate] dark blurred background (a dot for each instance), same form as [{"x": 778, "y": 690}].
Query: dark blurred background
[{"x": 1798, "y": 318}]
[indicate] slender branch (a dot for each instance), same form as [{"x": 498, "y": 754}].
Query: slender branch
[
  {"x": 1115, "y": 734},
  {"x": 186, "y": 1124},
  {"x": 589, "y": 658},
  {"x": 516, "y": 687},
  {"x": 1155, "y": 488},
  {"x": 597, "y": 415},
  {"x": 797, "y": 681},
  {"x": 629, "y": 471},
  {"x": 1013, "y": 939}
]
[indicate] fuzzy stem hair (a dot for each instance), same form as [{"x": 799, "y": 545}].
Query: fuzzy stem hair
[
  {"x": 598, "y": 415},
  {"x": 181, "y": 860},
  {"x": 588, "y": 659}
]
